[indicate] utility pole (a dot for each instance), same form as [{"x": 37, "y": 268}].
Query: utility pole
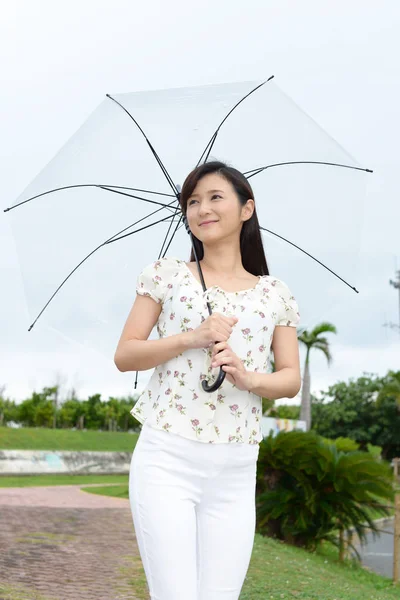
[{"x": 396, "y": 284}]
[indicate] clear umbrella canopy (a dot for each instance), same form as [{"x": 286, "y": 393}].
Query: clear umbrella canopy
[{"x": 106, "y": 183}]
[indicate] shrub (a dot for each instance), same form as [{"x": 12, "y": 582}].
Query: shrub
[
  {"x": 343, "y": 444},
  {"x": 307, "y": 489}
]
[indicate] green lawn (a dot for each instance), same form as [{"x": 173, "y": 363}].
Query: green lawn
[
  {"x": 278, "y": 571},
  {"x": 41, "y": 438},
  {"x": 29, "y": 480}
]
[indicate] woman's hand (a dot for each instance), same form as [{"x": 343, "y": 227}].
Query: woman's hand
[
  {"x": 217, "y": 327},
  {"x": 222, "y": 354}
]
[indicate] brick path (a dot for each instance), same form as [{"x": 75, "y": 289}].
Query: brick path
[{"x": 67, "y": 544}]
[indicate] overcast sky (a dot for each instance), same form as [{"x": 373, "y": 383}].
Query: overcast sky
[{"x": 338, "y": 61}]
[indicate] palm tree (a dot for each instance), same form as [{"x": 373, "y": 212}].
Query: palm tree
[{"x": 311, "y": 340}]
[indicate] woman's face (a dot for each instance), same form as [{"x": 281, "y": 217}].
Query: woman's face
[{"x": 214, "y": 199}]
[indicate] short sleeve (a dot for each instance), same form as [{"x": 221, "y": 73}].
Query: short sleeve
[
  {"x": 288, "y": 310},
  {"x": 154, "y": 279}
]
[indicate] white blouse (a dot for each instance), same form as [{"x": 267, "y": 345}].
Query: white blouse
[{"x": 174, "y": 399}]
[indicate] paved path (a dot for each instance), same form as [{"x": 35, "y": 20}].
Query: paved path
[
  {"x": 377, "y": 554},
  {"x": 66, "y": 544},
  {"x": 55, "y": 496}
]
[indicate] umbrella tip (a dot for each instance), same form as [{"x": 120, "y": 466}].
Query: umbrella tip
[
  {"x": 369, "y": 170},
  {"x": 6, "y": 210},
  {"x": 269, "y": 78}
]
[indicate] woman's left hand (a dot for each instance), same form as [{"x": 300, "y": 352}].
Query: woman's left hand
[{"x": 236, "y": 373}]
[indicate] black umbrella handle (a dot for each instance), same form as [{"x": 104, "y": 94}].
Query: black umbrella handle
[
  {"x": 221, "y": 375},
  {"x": 217, "y": 383}
]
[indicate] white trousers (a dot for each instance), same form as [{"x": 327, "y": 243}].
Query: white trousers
[{"x": 194, "y": 514}]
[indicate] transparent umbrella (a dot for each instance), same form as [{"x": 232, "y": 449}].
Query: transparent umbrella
[{"x": 108, "y": 203}]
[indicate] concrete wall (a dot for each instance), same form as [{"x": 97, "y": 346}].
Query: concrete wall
[
  {"x": 269, "y": 424},
  {"x": 33, "y": 462}
]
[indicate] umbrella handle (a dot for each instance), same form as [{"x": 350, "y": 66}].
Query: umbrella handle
[
  {"x": 221, "y": 375},
  {"x": 214, "y": 386}
]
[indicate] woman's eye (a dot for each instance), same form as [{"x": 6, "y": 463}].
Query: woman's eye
[{"x": 212, "y": 197}]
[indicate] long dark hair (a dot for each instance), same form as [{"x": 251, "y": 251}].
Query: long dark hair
[{"x": 251, "y": 244}]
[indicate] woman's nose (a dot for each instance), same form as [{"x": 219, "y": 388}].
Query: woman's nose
[{"x": 204, "y": 209}]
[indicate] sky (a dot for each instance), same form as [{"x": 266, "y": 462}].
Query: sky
[{"x": 338, "y": 61}]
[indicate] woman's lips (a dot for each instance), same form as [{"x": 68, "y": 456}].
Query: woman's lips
[{"x": 207, "y": 223}]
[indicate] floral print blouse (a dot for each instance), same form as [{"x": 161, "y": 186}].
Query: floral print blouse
[{"x": 174, "y": 399}]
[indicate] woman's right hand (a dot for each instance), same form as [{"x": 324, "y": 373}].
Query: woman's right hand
[{"x": 216, "y": 328}]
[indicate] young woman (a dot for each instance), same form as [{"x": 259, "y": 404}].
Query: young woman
[{"x": 193, "y": 470}]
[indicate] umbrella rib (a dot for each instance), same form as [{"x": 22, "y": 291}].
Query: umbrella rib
[
  {"x": 303, "y": 162},
  {"x": 158, "y": 159},
  {"x": 178, "y": 226},
  {"x": 310, "y": 255},
  {"x": 133, "y": 196},
  {"x": 166, "y": 235},
  {"x": 124, "y": 187},
  {"x": 67, "y": 187},
  {"x": 214, "y": 136},
  {"x": 110, "y": 240}
]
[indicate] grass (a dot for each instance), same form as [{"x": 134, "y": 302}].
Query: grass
[
  {"x": 278, "y": 570},
  {"x": 18, "y": 592},
  {"x": 116, "y": 491},
  {"x": 39, "y": 480},
  {"x": 42, "y": 438}
]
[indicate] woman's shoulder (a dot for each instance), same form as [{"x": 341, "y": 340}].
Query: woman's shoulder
[
  {"x": 158, "y": 276},
  {"x": 166, "y": 263},
  {"x": 165, "y": 269},
  {"x": 279, "y": 285}
]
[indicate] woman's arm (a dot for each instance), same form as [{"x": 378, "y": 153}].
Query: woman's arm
[
  {"x": 281, "y": 384},
  {"x": 285, "y": 382},
  {"x": 134, "y": 351},
  {"x": 140, "y": 355}
]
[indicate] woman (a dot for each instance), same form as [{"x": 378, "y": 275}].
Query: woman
[{"x": 193, "y": 470}]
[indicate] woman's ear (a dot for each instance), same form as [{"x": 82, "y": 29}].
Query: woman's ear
[{"x": 248, "y": 209}]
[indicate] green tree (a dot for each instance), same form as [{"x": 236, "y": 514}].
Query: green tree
[
  {"x": 352, "y": 409},
  {"x": 286, "y": 411},
  {"x": 95, "y": 417},
  {"x": 391, "y": 388},
  {"x": 111, "y": 410},
  {"x": 71, "y": 413},
  {"x": 125, "y": 406},
  {"x": 8, "y": 408},
  {"x": 38, "y": 411},
  {"x": 312, "y": 340}
]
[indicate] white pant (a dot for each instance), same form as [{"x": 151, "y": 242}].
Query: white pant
[{"x": 194, "y": 514}]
